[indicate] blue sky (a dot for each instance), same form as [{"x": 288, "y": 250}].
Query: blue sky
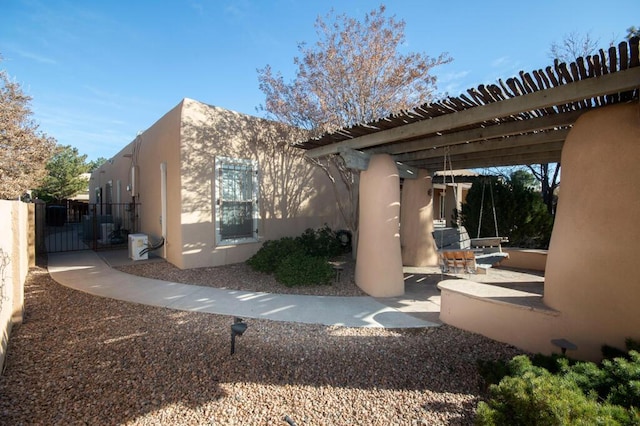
[{"x": 101, "y": 71}]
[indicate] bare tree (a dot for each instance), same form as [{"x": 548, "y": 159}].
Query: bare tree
[
  {"x": 355, "y": 73},
  {"x": 24, "y": 151},
  {"x": 548, "y": 175},
  {"x": 574, "y": 45}
]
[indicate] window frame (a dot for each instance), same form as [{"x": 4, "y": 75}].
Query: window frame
[{"x": 246, "y": 164}]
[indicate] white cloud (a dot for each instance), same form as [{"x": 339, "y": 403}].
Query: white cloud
[{"x": 36, "y": 57}]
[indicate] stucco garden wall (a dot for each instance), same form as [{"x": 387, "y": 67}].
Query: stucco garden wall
[
  {"x": 17, "y": 254},
  {"x": 530, "y": 259}
]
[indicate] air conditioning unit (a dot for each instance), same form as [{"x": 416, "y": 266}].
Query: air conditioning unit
[{"x": 138, "y": 244}]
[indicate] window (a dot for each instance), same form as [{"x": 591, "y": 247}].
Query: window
[{"x": 236, "y": 191}]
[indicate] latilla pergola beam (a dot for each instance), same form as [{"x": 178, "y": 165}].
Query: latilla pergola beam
[
  {"x": 478, "y": 134},
  {"x": 511, "y": 142},
  {"x": 498, "y": 160},
  {"x": 620, "y": 81}
]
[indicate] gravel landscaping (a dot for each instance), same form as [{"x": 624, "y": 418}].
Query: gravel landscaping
[
  {"x": 81, "y": 359},
  {"x": 240, "y": 276}
]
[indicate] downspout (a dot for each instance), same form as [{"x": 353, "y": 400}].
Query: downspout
[{"x": 163, "y": 205}]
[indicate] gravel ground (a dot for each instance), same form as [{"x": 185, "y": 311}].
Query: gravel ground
[
  {"x": 81, "y": 359},
  {"x": 240, "y": 276}
]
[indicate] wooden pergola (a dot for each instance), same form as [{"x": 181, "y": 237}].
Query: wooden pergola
[{"x": 524, "y": 120}]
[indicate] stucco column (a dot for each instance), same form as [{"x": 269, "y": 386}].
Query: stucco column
[
  {"x": 592, "y": 266},
  {"x": 416, "y": 222},
  {"x": 379, "y": 261}
]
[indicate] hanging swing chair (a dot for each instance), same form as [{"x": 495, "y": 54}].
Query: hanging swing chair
[
  {"x": 458, "y": 252},
  {"x": 489, "y": 249}
]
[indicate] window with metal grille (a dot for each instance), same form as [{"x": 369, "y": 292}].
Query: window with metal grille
[{"x": 236, "y": 200}]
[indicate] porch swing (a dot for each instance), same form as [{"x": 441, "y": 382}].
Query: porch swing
[
  {"x": 490, "y": 248},
  {"x": 459, "y": 253}
]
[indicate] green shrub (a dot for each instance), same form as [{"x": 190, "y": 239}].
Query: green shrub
[
  {"x": 299, "y": 261},
  {"x": 321, "y": 242},
  {"x": 573, "y": 393},
  {"x": 543, "y": 399},
  {"x": 623, "y": 380},
  {"x": 272, "y": 252},
  {"x": 300, "y": 269}
]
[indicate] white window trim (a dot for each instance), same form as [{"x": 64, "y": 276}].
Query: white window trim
[{"x": 219, "y": 163}]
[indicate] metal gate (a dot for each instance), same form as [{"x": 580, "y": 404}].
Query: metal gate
[{"x": 75, "y": 226}]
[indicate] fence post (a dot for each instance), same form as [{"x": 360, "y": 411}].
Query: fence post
[{"x": 94, "y": 236}]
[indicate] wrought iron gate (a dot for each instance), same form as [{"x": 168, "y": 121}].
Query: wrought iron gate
[{"x": 75, "y": 226}]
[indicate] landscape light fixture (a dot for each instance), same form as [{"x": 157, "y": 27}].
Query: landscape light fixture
[{"x": 237, "y": 329}]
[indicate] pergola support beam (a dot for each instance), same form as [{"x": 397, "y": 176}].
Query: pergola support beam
[{"x": 359, "y": 160}]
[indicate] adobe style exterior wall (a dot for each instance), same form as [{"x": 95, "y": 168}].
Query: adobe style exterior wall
[
  {"x": 135, "y": 174},
  {"x": 17, "y": 254},
  {"x": 592, "y": 286},
  {"x": 592, "y": 266},
  {"x": 294, "y": 195}
]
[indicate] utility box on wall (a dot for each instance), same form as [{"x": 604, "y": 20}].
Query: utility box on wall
[{"x": 138, "y": 244}]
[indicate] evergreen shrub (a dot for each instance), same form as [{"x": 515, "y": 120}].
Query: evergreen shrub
[
  {"x": 300, "y": 269},
  {"x": 272, "y": 252},
  {"x": 554, "y": 390},
  {"x": 299, "y": 261}
]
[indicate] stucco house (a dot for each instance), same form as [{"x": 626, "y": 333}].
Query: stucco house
[{"x": 214, "y": 184}]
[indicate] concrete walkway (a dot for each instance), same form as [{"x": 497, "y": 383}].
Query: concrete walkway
[{"x": 88, "y": 272}]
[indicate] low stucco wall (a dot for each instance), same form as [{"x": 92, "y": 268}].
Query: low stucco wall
[
  {"x": 530, "y": 259},
  {"x": 17, "y": 254},
  {"x": 502, "y": 314}
]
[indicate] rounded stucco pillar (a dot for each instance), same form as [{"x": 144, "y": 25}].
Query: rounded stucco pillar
[
  {"x": 379, "y": 262},
  {"x": 416, "y": 222},
  {"x": 592, "y": 265}
]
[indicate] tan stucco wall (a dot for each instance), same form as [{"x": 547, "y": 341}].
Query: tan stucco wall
[
  {"x": 294, "y": 195},
  {"x": 486, "y": 310},
  {"x": 416, "y": 222},
  {"x": 592, "y": 266},
  {"x": 16, "y": 244},
  {"x": 531, "y": 259},
  {"x": 591, "y": 277},
  {"x": 160, "y": 143},
  {"x": 379, "y": 260}
]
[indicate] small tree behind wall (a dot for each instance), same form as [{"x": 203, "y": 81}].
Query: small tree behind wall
[
  {"x": 24, "y": 150},
  {"x": 64, "y": 178},
  {"x": 521, "y": 214}
]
